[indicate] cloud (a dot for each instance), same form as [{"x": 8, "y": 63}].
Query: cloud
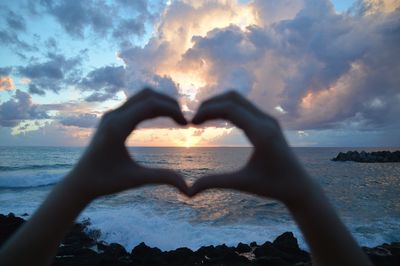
[
  {"x": 50, "y": 134},
  {"x": 6, "y": 83},
  {"x": 85, "y": 120},
  {"x": 369, "y": 7},
  {"x": 15, "y": 21},
  {"x": 76, "y": 16},
  {"x": 4, "y": 71},
  {"x": 120, "y": 19},
  {"x": 19, "y": 108},
  {"x": 313, "y": 68},
  {"x": 109, "y": 80},
  {"x": 53, "y": 74},
  {"x": 9, "y": 37},
  {"x": 106, "y": 82},
  {"x": 322, "y": 68}
]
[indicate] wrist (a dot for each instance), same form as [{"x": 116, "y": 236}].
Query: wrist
[
  {"x": 309, "y": 197},
  {"x": 74, "y": 184}
]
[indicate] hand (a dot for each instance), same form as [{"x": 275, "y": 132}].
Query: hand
[
  {"x": 106, "y": 166},
  {"x": 273, "y": 170}
]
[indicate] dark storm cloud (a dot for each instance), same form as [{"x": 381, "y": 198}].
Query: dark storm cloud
[
  {"x": 33, "y": 89},
  {"x": 120, "y": 19},
  {"x": 109, "y": 80},
  {"x": 53, "y": 74},
  {"x": 15, "y": 21},
  {"x": 105, "y": 82},
  {"x": 5, "y": 71},
  {"x": 76, "y": 16},
  {"x": 19, "y": 108},
  {"x": 10, "y": 38},
  {"x": 86, "y": 120},
  {"x": 130, "y": 26}
]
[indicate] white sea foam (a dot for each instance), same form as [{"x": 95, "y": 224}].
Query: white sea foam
[
  {"x": 24, "y": 179},
  {"x": 130, "y": 227}
]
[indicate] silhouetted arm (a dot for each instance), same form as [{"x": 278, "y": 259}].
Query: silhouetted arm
[
  {"x": 104, "y": 168},
  {"x": 273, "y": 171}
]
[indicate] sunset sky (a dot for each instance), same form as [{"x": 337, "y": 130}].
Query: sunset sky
[{"x": 328, "y": 70}]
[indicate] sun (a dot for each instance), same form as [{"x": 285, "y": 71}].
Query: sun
[{"x": 189, "y": 139}]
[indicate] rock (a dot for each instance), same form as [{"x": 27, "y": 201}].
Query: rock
[
  {"x": 369, "y": 157},
  {"x": 145, "y": 255},
  {"x": 180, "y": 256},
  {"x": 268, "y": 261},
  {"x": 253, "y": 244},
  {"x": 268, "y": 250},
  {"x": 8, "y": 225},
  {"x": 220, "y": 254},
  {"x": 384, "y": 255},
  {"x": 77, "y": 235},
  {"x": 143, "y": 250},
  {"x": 115, "y": 250},
  {"x": 242, "y": 248},
  {"x": 78, "y": 248},
  {"x": 284, "y": 247},
  {"x": 288, "y": 243}
]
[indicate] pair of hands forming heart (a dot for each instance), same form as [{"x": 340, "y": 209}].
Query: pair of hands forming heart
[
  {"x": 272, "y": 171},
  {"x": 106, "y": 168}
]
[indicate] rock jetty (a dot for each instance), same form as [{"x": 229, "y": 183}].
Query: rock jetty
[{"x": 369, "y": 157}]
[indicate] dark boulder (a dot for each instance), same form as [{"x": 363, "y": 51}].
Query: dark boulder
[
  {"x": 8, "y": 225},
  {"x": 271, "y": 261},
  {"x": 369, "y": 157},
  {"x": 384, "y": 255},
  {"x": 284, "y": 247},
  {"x": 288, "y": 243},
  {"x": 242, "y": 248},
  {"x": 145, "y": 255},
  {"x": 268, "y": 250}
]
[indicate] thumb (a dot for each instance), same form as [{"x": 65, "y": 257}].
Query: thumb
[
  {"x": 161, "y": 176},
  {"x": 228, "y": 180}
]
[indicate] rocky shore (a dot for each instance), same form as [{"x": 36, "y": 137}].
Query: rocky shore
[
  {"x": 81, "y": 248},
  {"x": 369, "y": 157}
]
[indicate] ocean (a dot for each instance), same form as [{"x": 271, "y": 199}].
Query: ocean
[{"x": 366, "y": 195}]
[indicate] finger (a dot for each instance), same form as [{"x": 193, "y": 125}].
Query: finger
[
  {"x": 147, "y": 176},
  {"x": 147, "y": 109},
  {"x": 156, "y": 107},
  {"x": 145, "y": 94},
  {"x": 237, "y": 98},
  {"x": 226, "y": 110},
  {"x": 228, "y": 180}
]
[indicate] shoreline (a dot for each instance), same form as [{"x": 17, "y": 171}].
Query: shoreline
[{"x": 82, "y": 248}]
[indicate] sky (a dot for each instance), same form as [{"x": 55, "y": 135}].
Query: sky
[{"x": 329, "y": 71}]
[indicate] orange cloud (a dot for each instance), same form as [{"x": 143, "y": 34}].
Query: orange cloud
[
  {"x": 385, "y": 6},
  {"x": 181, "y": 137},
  {"x": 6, "y": 83},
  {"x": 184, "y": 20}
]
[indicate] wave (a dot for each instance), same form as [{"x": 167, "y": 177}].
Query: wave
[
  {"x": 130, "y": 226},
  {"x": 29, "y": 181},
  {"x": 35, "y": 167}
]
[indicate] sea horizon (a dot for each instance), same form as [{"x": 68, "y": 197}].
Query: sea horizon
[{"x": 184, "y": 147}]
